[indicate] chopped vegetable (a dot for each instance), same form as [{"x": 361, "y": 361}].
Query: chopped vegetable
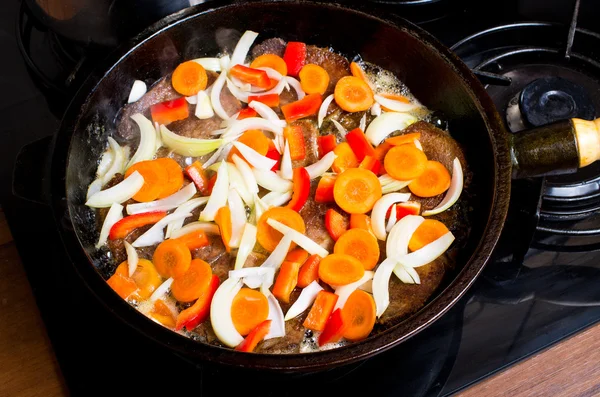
[
  {"x": 314, "y": 79},
  {"x": 299, "y": 238},
  {"x": 207, "y": 228},
  {"x": 287, "y": 170},
  {"x": 456, "y": 186},
  {"x": 218, "y": 194},
  {"x": 155, "y": 176},
  {"x": 254, "y": 139},
  {"x": 185, "y": 146},
  {"x": 194, "y": 240},
  {"x": 371, "y": 164},
  {"x": 433, "y": 181},
  {"x": 220, "y": 312},
  {"x": 255, "y": 159},
  {"x": 238, "y": 217},
  {"x": 320, "y": 311},
  {"x": 128, "y": 224},
  {"x": 271, "y": 181},
  {"x": 191, "y": 317},
  {"x": 321, "y": 166},
  {"x": 391, "y": 219},
  {"x": 297, "y": 255},
  {"x": 121, "y": 283},
  {"x": 357, "y": 71},
  {"x": 286, "y": 280},
  {"x": 277, "y": 256},
  {"x": 162, "y": 290},
  {"x": 254, "y": 337},
  {"x": 161, "y": 313},
  {"x": 212, "y": 64},
  {"x": 119, "y": 193},
  {"x": 166, "y": 112},
  {"x": 267, "y": 236},
  {"x": 396, "y": 103},
  {"x": 146, "y": 278},
  {"x": 403, "y": 139},
  {"x": 155, "y": 234},
  {"x": 324, "y": 192},
  {"x": 194, "y": 283},
  {"x": 132, "y": 258},
  {"x": 428, "y": 253},
  {"x": 174, "y": 180},
  {"x": 353, "y": 94},
  {"x": 270, "y": 61},
  {"x": 256, "y": 77},
  {"x": 384, "y": 125},
  {"x": 326, "y": 144},
  {"x": 335, "y": 223},
  {"x": 243, "y": 47},
  {"x": 345, "y": 291},
  {"x": 204, "y": 109},
  {"x": 295, "y": 136},
  {"x": 114, "y": 215},
  {"x": 334, "y": 328},
  {"x": 168, "y": 203},
  {"x": 405, "y": 163},
  {"x": 246, "y": 113},
  {"x": 197, "y": 174},
  {"x": 294, "y": 57},
  {"x": 138, "y": 89},
  {"x": 306, "y": 298},
  {"x": 215, "y": 96},
  {"x": 189, "y": 78},
  {"x": 246, "y": 245},
  {"x": 361, "y": 221},
  {"x": 323, "y": 110},
  {"x": 301, "y": 182},
  {"x": 381, "y": 150},
  {"x": 429, "y": 231},
  {"x": 356, "y": 190},
  {"x": 274, "y": 154},
  {"x": 381, "y": 293},
  {"x": 359, "y": 144},
  {"x": 360, "y": 244},
  {"x": 271, "y": 100},
  {"x": 187, "y": 207},
  {"x": 305, "y": 107},
  {"x": 248, "y": 309},
  {"x": 380, "y": 209},
  {"x": 275, "y": 315},
  {"x": 345, "y": 159},
  {"x": 172, "y": 258},
  {"x": 223, "y": 220},
  {"x": 309, "y": 272},
  {"x": 339, "y": 269},
  {"x": 358, "y": 314},
  {"x": 407, "y": 208}
]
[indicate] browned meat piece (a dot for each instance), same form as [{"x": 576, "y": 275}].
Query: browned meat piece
[
  {"x": 311, "y": 133},
  {"x": 336, "y": 65},
  {"x": 294, "y": 334},
  {"x": 269, "y": 46},
  {"x": 349, "y": 121},
  {"x": 216, "y": 255},
  {"x": 313, "y": 214}
]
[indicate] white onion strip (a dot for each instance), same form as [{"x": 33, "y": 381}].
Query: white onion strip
[
  {"x": 418, "y": 144},
  {"x": 165, "y": 204},
  {"x": 106, "y": 160},
  {"x": 246, "y": 245},
  {"x": 381, "y": 280},
  {"x": 252, "y": 123},
  {"x": 391, "y": 219},
  {"x": 115, "y": 214},
  {"x": 380, "y": 209},
  {"x": 323, "y": 110},
  {"x": 119, "y": 193},
  {"x": 185, "y": 146},
  {"x": 296, "y": 86},
  {"x": 161, "y": 290},
  {"x": 277, "y": 329},
  {"x": 453, "y": 193},
  {"x": 188, "y": 206},
  {"x": 215, "y": 96},
  {"x": 384, "y": 125},
  {"x": 256, "y": 159},
  {"x": 376, "y": 109},
  {"x": 220, "y": 312},
  {"x": 272, "y": 73},
  {"x": 345, "y": 291},
  {"x": 238, "y": 217},
  {"x": 138, "y": 89},
  {"x": 397, "y": 241},
  {"x": 211, "y": 64},
  {"x": 339, "y": 127},
  {"x": 303, "y": 241},
  {"x": 118, "y": 161},
  {"x": 276, "y": 199},
  {"x": 238, "y": 182},
  {"x": 363, "y": 122},
  {"x": 279, "y": 253},
  {"x": 304, "y": 301},
  {"x": 147, "y": 145},
  {"x": 402, "y": 274},
  {"x": 271, "y": 181},
  {"x": 132, "y": 258},
  {"x": 243, "y": 46},
  {"x": 287, "y": 172},
  {"x": 266, "y": 112},
  {"x": 322, "y": 166},
  {"x": 394, "y": 105},
  {"x": 204, "y": 108},
  {"x": 208, "y": 228},
  {"x": 218, "y": 198},
  {"x": 247, "y": 174},
  {"x": 428, "y": 253},
  {"x": 155, "y": 235}
]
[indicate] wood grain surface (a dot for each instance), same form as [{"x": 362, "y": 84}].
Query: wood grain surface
[{"x": 28, "y": 366}]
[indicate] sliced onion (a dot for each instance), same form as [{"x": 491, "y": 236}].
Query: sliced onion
[
  {"x": 138, "y": 89},
  {"x": 271, "y": 181},
  {"x": 211, "y": 64},
  {"x": 428, "y": 253},
  {"x": 161, "y": 290},
  {"x": 218, "y": 155},
  {"x": 185, "y": 146},
  {"x": 225, "y": 61},
  {"x": 287, "y": 172},
  {"x": 304, "y": 301},
  {"x": 259, "y": 208},
  {"x": 279, "y": 253},
  {"x": 345, "y": 291},
  {"x": 188, "y": 206},
  {"x": 407, "y": 275},
  {"x": 250, "y": 272},
  {"x": 237, "y": 92},
  {"x": 303, "y": 241},
  {"x": 394, "y": 186},
  {"x": 215, "y": 96},
  {"x": 247, "y": 175},
  {"x": 339, "y": 127},
  {"x": 238, "y": 182},
  {"x": 238, "y": 217},
  {"x": 94, "y": 188},
  {"x": 278, "y": 141},
  {"x": 204, "y": 108},
  {"x": 323, "y": 110},
  {"x": 418, "y": 144},
  {"x": 243, "y": 46},
  {"x": 380, "y": 209},
  {"x": 296, "y": 86},
  {"x": 278, "y": 89},
  {"x": 192, "y": 100},
  {"x": 276, "y": 199},
  {"x": 255, "y": 159},
  {"x": 115, "y": 214},
  {"x": 363, "y": 122},
  {"x": 208, "y": 228},
  {"x": 453, "y": 192},
  {"x": 246, "y": 87},
  {"x": 392, "y": 219},
  {"x": 246, "y": 245},
  {"x": 119, "y": 193},
  {"x": 322, "y": 166},
  {"x": 158, "y": 137},
  {"x": 376, "y": 110},
  {"x": 155, "y": 234},
  {"x": 106, "y": 160},
  {"x": 220, "y": 312},
  {"x": 166, "y": 204},
  {"x": 218, "y": 197},
  {"x": 394, "y": 105},
  {"x": 277, "y": 329},
  {"x": 118, "y": 161},
  {"x": 381, "y": 280},
  {"x": 252, "y": 123},
  {"x": 266, "y": 112},
  {"x": 272, "y": 73},
  {"x": 397, "y": 241},
  {"x": 132, "y": 258},
  {"x": 384, "y": 125},
  {"x": 413, "y": 274},
  {"x": 147, "y": 146}
]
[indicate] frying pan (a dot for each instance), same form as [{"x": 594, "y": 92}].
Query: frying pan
[{"x": 432, "y": 72}]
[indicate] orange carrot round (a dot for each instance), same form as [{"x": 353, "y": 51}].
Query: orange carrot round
[
  {"x": 270, "y": 61},
  {"x": 174, "y": 180},
  {"x": 345, "y": 158},
  {"x": 429, "y": 231},
  {"x": 223, "y": 220},
  {"x": 340, "y": 269},
  {"x": 402, "y": 139},
  {"x": 353, "y": 94},
  {"x": 405, "y": 162},
  {"x": 361, "y": 221},
  {"x": 194, "y": 240},
  {"x": 358, "y": 315},
  {"x": 192, "y": 283},
  {"x": 249, "y": 308},
  {"x": 161, "y": 313},
  {"x": 357, "y": 71},
  {"x": 155, "y": 177},
  {"x": 269, "y": 237},
  {"x": 360, "y": 244},
  {"x": 120, "y": 283},
  {"x": 314, "y": 79},
  {"x": 433, "y": 181},
  {"x": 356, "y": 190},
  {"x": 254, "y": 139},
  {"x": 172, "y": 258},
  {"x": 146, "y": 278},
  {"x": 189, "y": 78}
]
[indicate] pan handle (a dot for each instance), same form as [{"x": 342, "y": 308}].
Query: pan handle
[{"x": 31, "y": 179}]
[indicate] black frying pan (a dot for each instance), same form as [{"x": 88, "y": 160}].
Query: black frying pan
[{"x": 433, "y": 74}]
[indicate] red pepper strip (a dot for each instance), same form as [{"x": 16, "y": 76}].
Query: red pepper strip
[
  {"x": 126, "y": 225},
  {"x": 271, "y": 100},
  {"x": 301, "y": 181},
  {"x": 256, "y": 77},
  {"x": 326, "y": 144},
  {"x": 324, "y": 192},
  {"x": 407, "y": 208},
  {"x": 309, "y": 271},
  {"x": 359, "y": 144},
  {"x": 169, "y": 111},
  {"x": 335, "y": 223},
  {"x": 294, "y": 57},
  {"x": 196, "y": 173},
  {"x": 372, "y": 164},
  {"x": 211, "y": 183},
  {"x": 305, "y": 107},
  {"x": 294, "y": 135},
  {"x": 198, "y": 312},
  {"x": 246, "y": 112},
  {"x": 254, "y": 337},
  {"x": 273, "y": 154},
  {"x": 334, "y": 329}
]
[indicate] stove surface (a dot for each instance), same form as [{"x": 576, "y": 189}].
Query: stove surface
[{"x": 539, "y": 288}]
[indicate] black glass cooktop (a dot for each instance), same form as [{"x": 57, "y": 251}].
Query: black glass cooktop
[{"x": 540, "y": 286}]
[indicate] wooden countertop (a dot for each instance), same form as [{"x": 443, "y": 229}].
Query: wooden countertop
[{"x": 29, "y": 367}]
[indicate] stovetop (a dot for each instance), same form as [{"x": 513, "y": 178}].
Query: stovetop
[{"x": 539, "y": 288}]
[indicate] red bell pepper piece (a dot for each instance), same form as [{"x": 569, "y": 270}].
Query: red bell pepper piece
[
  {"x": 334, "y": 329},
  {"x": 372, "y": 164},
  {"x": 126, "y": 225},
  {"x": 256, "y": 77},
  {"x": 271, "y": 100},
  {"x": 336, "y": 223},
  {"x": 309, "y": 271},
  {"x": 324, "y": 192},
  {"x": 294, "y": 135},
  {"x": 320, "y": 311},
  {"x": 294, "y": 57},
  {"x": 169, "y": 111},
  {"x": 301, "y": 181},
  {"x": 211, "y": 183},
  {"x": 305, "y": 107},
  {"x": 359, "y": 144},
  {"x": 246, "y": 112},
  {"x": 407, "y": 208},
  {"x": 273, "y": 154},
  {"x": 326, "y": 144},
  {"x": 198, "y": 312},
  {"x": 197, "y": 174},
  {"x": 287, "y": 278},
  {"x": 254, "y": 337}
]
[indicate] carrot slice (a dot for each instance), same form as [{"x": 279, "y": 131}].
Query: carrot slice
[
  {"x": 120, "y": 283},
  {"x": 361, "y": 221},
  {"x": 270, "y": 61},
  {"x": 358, "y": 315},
  {"x": 396, "y": 97},
  {"x": 360, "y": 244},
  {"x": 254, "y": 139},
  {"x": 268, "y": 237},
  {"x": 286, "y": 281},
  {"x": 193, "y": 283},
  {"x": 174, "y": 180},
  {"x": 405, "y": 162},
  {"x": 223, "y": 220},
  {"x": 345, "y": 158},
  {"x": 402, "y": 139},
  {"x": 335, "y": 223},
  {"x": 254, "y": 337},
  {"x": 146, "y": 278},
  {"x": 297, "y": 255},
  {"x": 249, "y": 308},
  {"x": 195, "y": 239},
  {"x": 314, "y": 79},
  {"x": 356, "y": 190},
  {"x": 340, "y": 269},
  {"x": 309, "y": 271},
  {"x": 172, "y": 258},
  {"x": 357, "y": 71},
  {"x": 320, "y": 311},
  {"x": 381, "y": 151},
  {"x": 189, "y": 78},
  {"x": 155, "y": 177},
  {"x": 353, "y": 94},
  {"x": 433, "y": 181},
  {"x": 161, "y": 313},
  {"x": 429, "y": 231},
  {"x": 199, "y": 311}
]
